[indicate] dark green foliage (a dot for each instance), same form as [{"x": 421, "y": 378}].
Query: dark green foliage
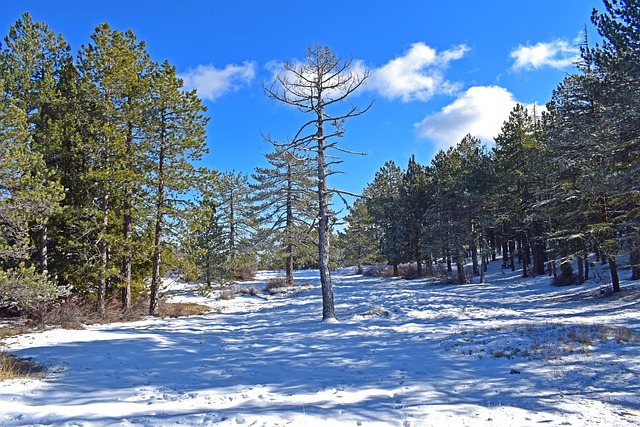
[{"x": 83, "y": 160}]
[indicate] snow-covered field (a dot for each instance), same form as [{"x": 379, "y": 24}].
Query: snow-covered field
[{"x": 404, "y": 353}]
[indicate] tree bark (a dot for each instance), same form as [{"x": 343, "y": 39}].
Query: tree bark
[
  {"x": 615, "y": 281},
  {"x": 328, "y": 309},
  {"x": 483, "y": 253},
  {"x": 635, "y": 263},
  {"x": 42, "y": 253},
  {"x": 474, "y": 258},
  {"x": 460, "y": 267},
  {"x": 159, "y": 229},
  {"x": 103, "y": 248}
]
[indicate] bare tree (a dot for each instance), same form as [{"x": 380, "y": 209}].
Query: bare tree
[{"x": 316, "y": 85}]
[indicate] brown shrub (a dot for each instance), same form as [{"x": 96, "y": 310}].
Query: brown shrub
[
  {"x": 253, "y": 291},
  {"x": 275, "y": 284},
  {"x": 227, "y": 294}
]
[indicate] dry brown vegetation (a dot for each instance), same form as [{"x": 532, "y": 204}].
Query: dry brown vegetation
[
  {"x": 182, "y": 309},
  {"x": 12, "y": 367}
]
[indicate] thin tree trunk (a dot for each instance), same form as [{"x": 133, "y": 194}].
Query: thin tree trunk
[
  {"x": 156, "y": 273},
  {"x": 127, "y": 230},
  {"x": 328, "y": 309},
  {"x": 104, "y": 257},
  {"x": 505, "y": 253},
  {"x": 460, "y": 267},
  {"x": 474, "y": 258},
  {"x": 483, "y": 253},
  {"x": 289, "y": 228},
  {"x": 615, "y": 281},
  {"x": 42, "y": 253},
  {"x": 126, "y": 259},
  {"x": 586, "y": 265},
  {"x": 159, "y": 230},
  {"x": 580, "y": 269},
  {"x": 635, "y": 263},
  {"x": 512, "y": 250},
  {"x": 289, "y": 265}
]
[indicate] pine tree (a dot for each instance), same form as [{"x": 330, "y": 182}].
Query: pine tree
[
  {"x": 31, "y": 66},
  {"x": 237, "y": 218},
  {"x": 385, "y": 206},
  {"x": 618, "y": 60},
  {"x": 458, "y": 211},
  {"x": 285, "y": 201},
  {"x": 115, "y": 68},
  {"x": 175, "y": 140},
  {"x": 515, "y": 152},
  {"x": 27, "y": 200},
  {"x": 361, "y": 237},
  {"x": 415, "y": 194},
  {"x": 208, "y": 244}
]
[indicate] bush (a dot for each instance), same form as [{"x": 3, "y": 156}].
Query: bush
[
  {"x": 408, "y": 271},
  {"x": 445, "y": 276},
  {"x": 253, "y": 291},
  {"x": 27, "y": 289},
  {"x": 378, "y": 271},
  {"x": 276, "y": 283},
  {"x": 227, "y": 294}
]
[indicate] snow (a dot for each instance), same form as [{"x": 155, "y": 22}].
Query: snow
[{"x": 512, "y": 352}]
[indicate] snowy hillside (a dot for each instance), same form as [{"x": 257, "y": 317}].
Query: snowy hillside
[{"x": 404, "y": 353}]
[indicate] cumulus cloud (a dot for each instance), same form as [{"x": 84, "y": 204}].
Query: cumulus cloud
[
  {"x": 555, "y": 54},
  {"x": 211, "y": 82},
  {"x": 418, "y": 75},
  {"x": 480, "y": 111}
]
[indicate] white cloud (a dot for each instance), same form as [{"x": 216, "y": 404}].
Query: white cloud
[
  {"x": 211, "y": 82},
  {"x": 480, "y": 111},
  {"x": 556, "y": 54},
  {"x": 417, "y": 75}
]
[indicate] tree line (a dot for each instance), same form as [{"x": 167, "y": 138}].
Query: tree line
[
  {"x": 102, "y": 192},
  {"x": 559, "y": 183},
  {"x": 99, "y": 165},
  {"x": 102, "y": 189}
]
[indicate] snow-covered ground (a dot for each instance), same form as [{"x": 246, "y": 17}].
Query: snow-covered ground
[{"x": 404, "y": 353}]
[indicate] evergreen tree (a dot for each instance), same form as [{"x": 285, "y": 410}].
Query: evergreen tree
[
  {"x": 27, "y": 200},
  {"x": 618, "y": 59},
  {"x": 285, "y": 201},
  {"x": 515, "y": 153},
  {"x": 385, "y": 206},
  {"x": 31, "y": 66},
  {"x": 175, "y": 140},
  {"x": 359, "y": 241},
  {"x": 415, "y": 194},
  {"x": 115, "y": 68},
  {"x": 236, "y": 212}
]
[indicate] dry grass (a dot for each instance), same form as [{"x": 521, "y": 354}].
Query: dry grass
[
  {"x": 253, "y": 291},
  {"x": 376, "y": 312},
  {"x": 227, "y": 294},
  {"x": 12, "y": 331},
  {"x": 12, "y": 367},
  {"x": 182, "y": 309}
]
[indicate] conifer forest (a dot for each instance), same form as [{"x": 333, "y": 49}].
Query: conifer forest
[{"x": 103, "y": 192}]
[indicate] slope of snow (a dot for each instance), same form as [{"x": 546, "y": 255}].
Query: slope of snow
[{"x": 404, "y": 353}]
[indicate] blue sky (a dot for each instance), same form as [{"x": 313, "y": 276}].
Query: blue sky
[{"x": 439, "y": 69}]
